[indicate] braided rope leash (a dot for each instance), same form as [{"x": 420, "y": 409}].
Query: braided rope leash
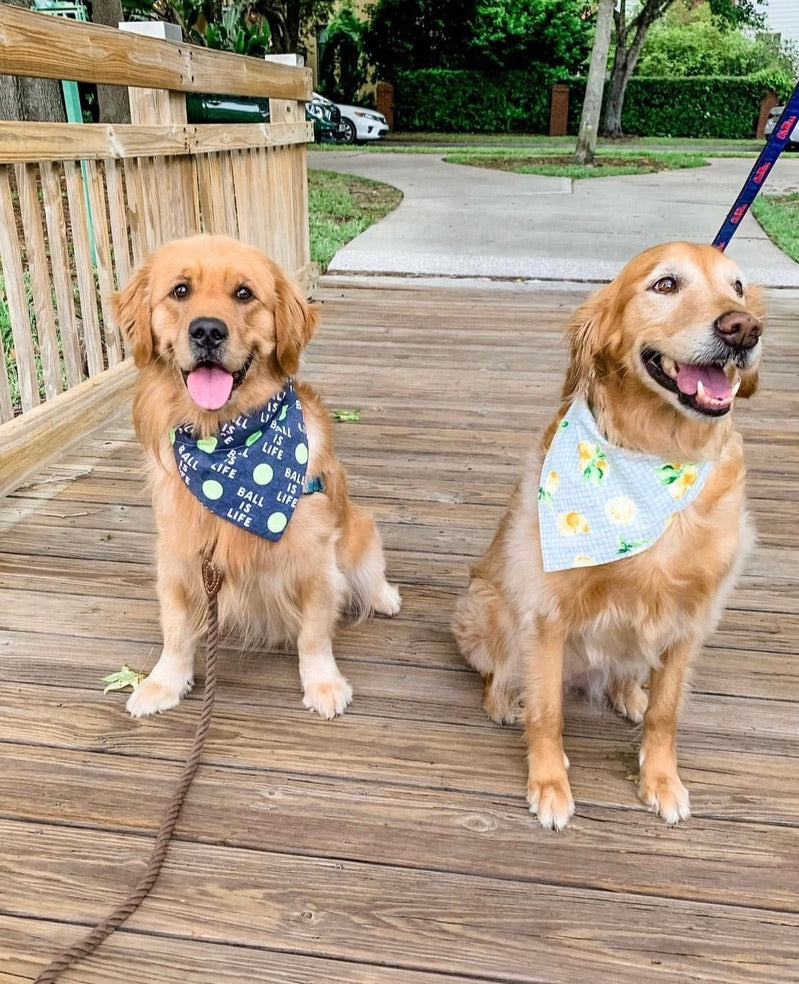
[{"x": 212, "y": 582}]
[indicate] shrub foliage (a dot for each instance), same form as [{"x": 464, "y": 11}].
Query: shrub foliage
[{"x": 451, "y": 101}]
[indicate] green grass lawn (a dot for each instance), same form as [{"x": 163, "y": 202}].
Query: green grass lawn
[
  {"x": 434, "y": 143},
  {"x": 779, "y": 217},
  {"x": 341, "y": 207},
  {"x": 560, "y": 165}
]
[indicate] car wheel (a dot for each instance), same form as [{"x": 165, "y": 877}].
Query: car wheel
[{"x": 347, "y": 131}]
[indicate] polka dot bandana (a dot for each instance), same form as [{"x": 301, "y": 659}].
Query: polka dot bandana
[
  {"x": 598, "y": 503},
  {"x": 252, "y": 473}
]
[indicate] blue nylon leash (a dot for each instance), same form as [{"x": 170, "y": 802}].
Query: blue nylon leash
[{"x": 762, "y": 166}]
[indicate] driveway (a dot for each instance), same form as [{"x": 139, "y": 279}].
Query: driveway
[{"x": 458, "y": 221}]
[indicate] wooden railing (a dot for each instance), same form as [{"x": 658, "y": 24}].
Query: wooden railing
[{"x": 81, "y": 205}]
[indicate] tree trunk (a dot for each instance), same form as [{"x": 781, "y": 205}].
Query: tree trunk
[
  {"x": 30, "y": 99},
  {"x": 617, "y": 90},
  {"x": 626, "y": 58},
  {"x": 595, "y": 85},
  {"x": 112, "y": 100},
  {"x": 293, "y": 26}
]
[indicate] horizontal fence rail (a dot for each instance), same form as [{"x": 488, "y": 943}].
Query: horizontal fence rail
[
  {"x": 56, "y": 48},
  {"x": 82, "y": 204}
]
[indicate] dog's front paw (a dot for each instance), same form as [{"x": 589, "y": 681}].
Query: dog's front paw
[
  {"x": 665, "y": 794},
  {"x": 328, "y": 697},
  {"x": 153, "y": 696},
  {"x": 551, "y": 800},
  {"x": 389, "y": 601}
]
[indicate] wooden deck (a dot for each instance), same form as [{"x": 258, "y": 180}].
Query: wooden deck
[{"x": 392, "y": 845}]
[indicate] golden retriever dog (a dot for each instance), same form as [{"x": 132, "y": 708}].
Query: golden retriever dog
[
  {"x": 217, "y": 330},
  {"x": 657, "y": 358}
]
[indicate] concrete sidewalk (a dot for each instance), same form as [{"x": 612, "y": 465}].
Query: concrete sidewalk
[{"x": 457, "y": 221}]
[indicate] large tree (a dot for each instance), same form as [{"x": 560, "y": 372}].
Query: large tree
[
  {"x": 633, "y": 19},
  {"x": 403, "y": 35},
  {"x": 30, "y": 99},
  {"x": 112, "y": 100},
  {"x": 515, "y": 34},
  {"x": 689, "y": 40},
  {"x": 595, "y": 85},
  {"x": 488, "y": 35}
]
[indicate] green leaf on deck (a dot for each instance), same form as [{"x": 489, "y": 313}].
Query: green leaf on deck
[{"x": 126, "y": 677}]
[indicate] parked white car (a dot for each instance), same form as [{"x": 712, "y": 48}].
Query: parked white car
[
  {"x": 771, "y": 122},
  {"x": 358, "y": 123}
]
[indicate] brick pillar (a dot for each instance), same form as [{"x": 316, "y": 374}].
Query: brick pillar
[
  {"x": 769, "y": 102},
  {"x": 559, "y": 110},
  {"x": 385, "y": 101}
]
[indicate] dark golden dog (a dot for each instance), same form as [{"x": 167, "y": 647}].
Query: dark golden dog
[
  {"x": 657, "y": 358},
  {"x": 216, "y": 330}
]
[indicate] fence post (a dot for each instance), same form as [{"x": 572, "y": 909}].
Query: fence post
[{"x": 161, "y": 192}]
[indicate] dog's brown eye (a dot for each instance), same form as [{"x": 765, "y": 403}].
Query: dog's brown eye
[
  {"x": 666, "y": 285},
  {"x": 180, "y": 291},
  {"x": 244, "y": 294},
  {"x": 739, "y": 288}
]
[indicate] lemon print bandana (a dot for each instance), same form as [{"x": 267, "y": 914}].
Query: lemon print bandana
[
  {"x": 598, "y": 503},
  {"x": 252, "y": 473}
]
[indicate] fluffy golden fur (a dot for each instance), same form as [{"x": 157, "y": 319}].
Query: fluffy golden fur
[
  {"x": 612, "y": 627},
  {"x": 330, "y": 557}
]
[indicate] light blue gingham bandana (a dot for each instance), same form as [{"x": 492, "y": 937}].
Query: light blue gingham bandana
[{"x": 598, "y": 503}]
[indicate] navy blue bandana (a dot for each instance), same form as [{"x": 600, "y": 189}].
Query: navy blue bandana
[{"x": 253, "y": 472}]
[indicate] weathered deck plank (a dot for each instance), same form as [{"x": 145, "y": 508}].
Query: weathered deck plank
[{"x": 393, "y": 844}]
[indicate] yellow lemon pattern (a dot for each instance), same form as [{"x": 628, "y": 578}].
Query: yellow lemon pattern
[
  {"x": 621, "y": 510},
  {"x": 570, "y": 523},
  {"x": 679, "y": 478},
  {"x": 610, "y": 502},
  {"x": 549, "y": 487},
  {"x": 593, "y": 462}
]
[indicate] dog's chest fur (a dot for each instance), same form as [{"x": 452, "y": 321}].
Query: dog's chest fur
[{"x": 633, "y": 609}]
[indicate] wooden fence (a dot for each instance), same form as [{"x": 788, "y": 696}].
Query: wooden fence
[{"x": 81, "y": 205}]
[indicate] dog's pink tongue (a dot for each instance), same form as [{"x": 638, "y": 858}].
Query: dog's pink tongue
[
  {"x": 713, "y": 380},
  {"x": 209, "y": 386}
]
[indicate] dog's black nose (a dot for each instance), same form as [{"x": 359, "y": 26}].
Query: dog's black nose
[
  {"x": 208, "y": 333},
  {"x": 738, "y": 329}
]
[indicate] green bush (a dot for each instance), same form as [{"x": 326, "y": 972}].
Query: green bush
[
  {"x": 450, "y": 101},
  {"x": 719, "y": 107}
]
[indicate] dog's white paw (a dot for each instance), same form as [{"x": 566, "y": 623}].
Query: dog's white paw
[
  {"x": 389, "y": 601},
  {"x": 328, "y": 697},
  {"x": 153, "y": 696},
  {"x": 551, "y": 801},
  {"x": 666, "y": 795}
]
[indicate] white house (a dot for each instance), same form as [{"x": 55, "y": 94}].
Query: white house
[{"x": 782, "y": 16}]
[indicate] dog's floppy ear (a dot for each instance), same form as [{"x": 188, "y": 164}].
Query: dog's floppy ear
[
  {"x": 588, "y": 337},
  {"x": 131, "y": 307},
  {"x": 295, "y": 322}
]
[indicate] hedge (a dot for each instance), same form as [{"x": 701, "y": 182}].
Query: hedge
[
  {"x": 445, "y": 101},
  {"x": 438, "y": 100}
]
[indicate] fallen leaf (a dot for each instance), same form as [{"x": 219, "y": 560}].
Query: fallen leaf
[{"x": 126, "y": 677}]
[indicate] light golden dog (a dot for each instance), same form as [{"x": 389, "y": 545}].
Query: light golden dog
[
  {"x": 216, "y": 330},
  {"x": 657, "y": 357}
]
